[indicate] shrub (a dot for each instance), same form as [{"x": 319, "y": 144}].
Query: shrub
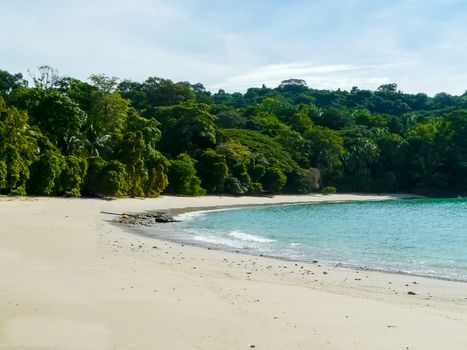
[
  {"x": 255, "y": 188},
  {"x": 329, "y": 190},
  {"x": 274, "y": 179},
  {"x": 234, "y": 185},
  {"x": 182, "y": 177},
  {"x": 3, "y": 174},
  {"x": 45, "y": 173},
  {"x": 106, "y": 178},
  {"x": 157, "y": 180},
  {"x": 72, "y": 176}
]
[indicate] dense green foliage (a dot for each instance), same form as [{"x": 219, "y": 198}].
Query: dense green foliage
[{"x": 106, "y": 137}]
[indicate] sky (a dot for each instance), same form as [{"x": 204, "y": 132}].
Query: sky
[{"x": 419, "y": 44}]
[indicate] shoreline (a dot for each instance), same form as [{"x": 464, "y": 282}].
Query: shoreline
[
  {"x": 142, "y": 230},
  {"x": 74, "y": 280},
  {"x": 336, "y": 264},
  {"x": 330, "y": 264},
  {"x": 206, "y": 246}
]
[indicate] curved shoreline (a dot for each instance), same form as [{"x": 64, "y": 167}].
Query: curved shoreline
[
  {"x": 76, "y": 281},
  {"x": 141, "y": 230}
]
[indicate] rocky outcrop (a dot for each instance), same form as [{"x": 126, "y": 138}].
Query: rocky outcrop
[{"x": 144, "y": 219}]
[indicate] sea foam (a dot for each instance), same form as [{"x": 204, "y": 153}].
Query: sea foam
[
  {"x": 189, "y": 215},
  {"x": 249, "y": 238}
]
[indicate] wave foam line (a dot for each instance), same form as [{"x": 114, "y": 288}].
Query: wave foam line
[{"x": 249, "y": 238}]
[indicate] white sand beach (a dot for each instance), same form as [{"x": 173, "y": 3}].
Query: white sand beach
[{"x": 71, "y": 280}]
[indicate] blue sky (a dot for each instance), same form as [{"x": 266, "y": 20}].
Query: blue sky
[{"x": 233, "y": 45}]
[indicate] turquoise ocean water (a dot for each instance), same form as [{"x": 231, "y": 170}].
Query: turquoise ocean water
[{"x": 416, "y": 236}]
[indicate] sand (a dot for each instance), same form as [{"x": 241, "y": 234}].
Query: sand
[{"x": 71, "y": 280}]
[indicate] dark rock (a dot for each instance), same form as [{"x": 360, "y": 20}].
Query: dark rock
[
  {"x": 145, "y": 219},
  {"x": 411, "y": 293}
]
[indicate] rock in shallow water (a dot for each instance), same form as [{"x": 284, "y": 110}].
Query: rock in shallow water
[{"x": 146, "y": 219}]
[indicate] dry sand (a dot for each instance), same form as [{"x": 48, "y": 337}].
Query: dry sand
[{"x": 71, "y": 280}]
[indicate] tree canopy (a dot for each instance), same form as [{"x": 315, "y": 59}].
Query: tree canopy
[{"x": 110, "y": 137}]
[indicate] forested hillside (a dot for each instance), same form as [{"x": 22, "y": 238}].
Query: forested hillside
[{"x": 110, "y": 137}]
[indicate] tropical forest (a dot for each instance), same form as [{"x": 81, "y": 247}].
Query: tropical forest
[{"x": 110, "y": 137}]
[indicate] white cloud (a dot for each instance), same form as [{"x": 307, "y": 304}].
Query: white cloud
[
  {"x": 343, "y": 76},
  {"x": 224, "y": 44}
]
